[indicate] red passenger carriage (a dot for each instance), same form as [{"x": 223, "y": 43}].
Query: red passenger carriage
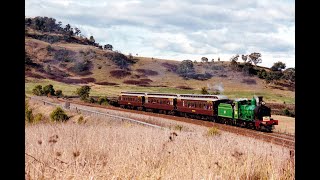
[
  {"x": 160, "y": 102},
  {"x": 199, "y": 106},
  {"x": 132, "y": 100}
]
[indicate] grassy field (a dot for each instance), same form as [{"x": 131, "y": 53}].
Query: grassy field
[
  {"x": 101, "y": 90},
  {"x": 108, "y": 149},
  {"x": 286, "y": 124}
]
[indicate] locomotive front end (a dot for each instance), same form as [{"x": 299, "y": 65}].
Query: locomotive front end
[{"x": 263, "y": 120}]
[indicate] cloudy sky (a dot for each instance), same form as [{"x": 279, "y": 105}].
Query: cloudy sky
[{"x": 184, "y": 29}]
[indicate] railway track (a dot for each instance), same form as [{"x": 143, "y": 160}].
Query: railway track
[
  {"x": 277, "y": 138},
  {"x": 85, "y": 110}
]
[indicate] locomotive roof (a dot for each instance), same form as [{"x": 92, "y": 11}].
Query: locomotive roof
[{"x": 241, "y": 99}]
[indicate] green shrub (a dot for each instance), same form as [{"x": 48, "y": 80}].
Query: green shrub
[
  {"x": 37, "y": 90},
  {"x": 92, "y": 100},
  {"x": 58, "y": 115},
  {"x": 28, "y": 114},
  {"x": 83, "y": 92},
  {"x": 103, "y": 101},
  {"x": 213, "y": 131},
  {"x": 81, "y": 120},
  {"x": 204, "y": 90},
  {"x": 274, "y": 75},
  {"x": 178, "y": 127},
  {"x": 59, "y": 93},
  {"x": 185, "y": 68},
  {"x": 262, "y": 74},
  {"x": 48, "y": 89},
  {"x": 37, "y": 118},
  {"x": 289, "y": 113}
]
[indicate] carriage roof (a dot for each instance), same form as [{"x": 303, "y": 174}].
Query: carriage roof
[{"x": 202, "y": 97}]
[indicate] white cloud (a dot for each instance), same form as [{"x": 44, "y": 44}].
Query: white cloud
[{"x": 182, "y": 29}]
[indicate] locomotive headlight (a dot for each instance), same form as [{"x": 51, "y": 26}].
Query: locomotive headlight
[{"x": 263, "y": 103}]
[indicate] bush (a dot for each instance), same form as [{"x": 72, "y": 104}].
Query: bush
[
  {"x": 28, "y": 113},
  {"x": 37, "y": 118},
  {"x": 290, "y": 74},
  {"x": 289, "y": 113},
  {"x": 213, "y": 131},
  {"x": 103, "y": 101},
  {"x": 248, "y": 69},
  {"x": 48, "y": 90},
  {"x": 58, "y": 115},
  {"x": 185, "y": 68},
  {"x": 119, "y": 59},
  {"x": 262, "y": 74},
  {"x": 83, "y": 92},
  {"x": 274, "y": 75},
  {"x": 37, "y": 90},
  {"x": 92, "y": 100},
  {"x": 204, "y": 90},
  {"x": 81, "y": 120},
  {"x": 81, "y": 66},
  {"x": 59, "y": 93},
  {"x": 63, "y": 55},
  {"x": 178, "y": 127}
]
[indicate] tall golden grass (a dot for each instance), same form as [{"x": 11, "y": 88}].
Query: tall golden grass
[{"x": 102, "y": 148}]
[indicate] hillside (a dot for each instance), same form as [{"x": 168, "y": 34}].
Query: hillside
[{"x": 69, "y": 61}]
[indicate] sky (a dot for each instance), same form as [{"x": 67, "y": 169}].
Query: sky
[{"x": 184, "y": 29}]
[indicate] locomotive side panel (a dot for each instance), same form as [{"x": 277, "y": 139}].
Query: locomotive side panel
[{"x": 225, "y": 110}]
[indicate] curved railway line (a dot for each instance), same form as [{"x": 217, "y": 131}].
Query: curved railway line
[{"x": 277, "y": 138}]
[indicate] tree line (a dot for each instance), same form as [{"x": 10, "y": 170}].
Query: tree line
[
  {"x": 46, "y": 24},
  {"x": 248, "y": 67}
]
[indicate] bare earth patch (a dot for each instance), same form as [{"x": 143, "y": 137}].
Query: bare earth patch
[{"x": 119, "y": 73}]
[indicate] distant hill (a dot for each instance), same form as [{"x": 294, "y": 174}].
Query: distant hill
[{"x": 52, "y": 52}]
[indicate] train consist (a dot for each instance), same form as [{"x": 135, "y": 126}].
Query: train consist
[{"x": 217, "y": 108}]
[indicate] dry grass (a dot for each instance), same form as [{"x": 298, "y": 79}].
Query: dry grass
[
  {"x": 109, "y": 149},
  {"x": 286, "y": 124}
]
